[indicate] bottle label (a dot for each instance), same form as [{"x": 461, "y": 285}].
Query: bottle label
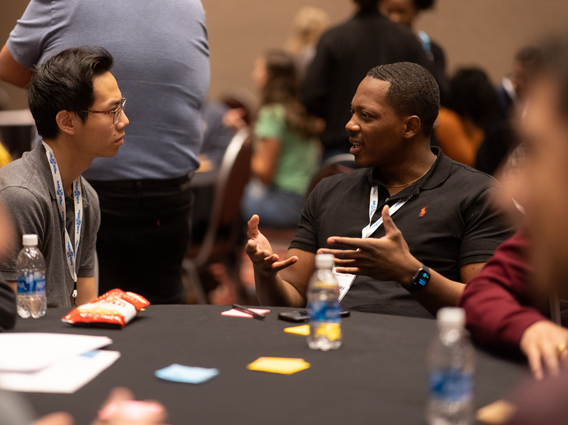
[
  {"x": 331, "y": 331},
  {"x": 26, "y": 283},
  {"x": 323, "y": 311},
  {"x": 451, "y": 385},
  {"x": 325, "y": 319},
  {"x": 40, "y": 283}
]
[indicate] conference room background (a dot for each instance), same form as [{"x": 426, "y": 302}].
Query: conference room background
[{"x": 483, "y": 32}]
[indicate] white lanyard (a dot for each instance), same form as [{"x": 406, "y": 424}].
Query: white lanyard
[
  {"x": 346, "y": 280},
  {"x": 373, "y": 204},
  {"x": 70, "y": 251}
]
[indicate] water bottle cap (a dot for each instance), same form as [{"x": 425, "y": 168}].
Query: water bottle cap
[
  {"x": 324, "y": 261},
  {"x": 29, "y": 240},
  {"x": 451, "y": 316}
]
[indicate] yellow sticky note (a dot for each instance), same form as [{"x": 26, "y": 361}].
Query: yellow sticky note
[
  {"x": 299, "y": 330},
  {"x": 283, "y": 365},
  {"x": 496, "y": 413}
]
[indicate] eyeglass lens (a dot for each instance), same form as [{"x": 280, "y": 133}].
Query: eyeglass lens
[{"x": 118, "y": 112}]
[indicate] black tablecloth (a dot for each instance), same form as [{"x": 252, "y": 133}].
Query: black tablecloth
[{"x": 378, "y": 376}]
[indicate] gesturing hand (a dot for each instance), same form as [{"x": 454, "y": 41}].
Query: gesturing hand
[
  {"x": 260, "y": 251},
  {"x": 386, "y": 258},
  {"x": 545, "y": 343}
]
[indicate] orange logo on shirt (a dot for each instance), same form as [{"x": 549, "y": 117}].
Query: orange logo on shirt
[{"x": 422, "y": 212}]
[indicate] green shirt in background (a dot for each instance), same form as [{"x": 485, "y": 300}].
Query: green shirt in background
[{"x": 298, "y": 157}]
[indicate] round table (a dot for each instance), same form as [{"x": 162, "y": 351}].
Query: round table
[{"x": 378, "y": 376}]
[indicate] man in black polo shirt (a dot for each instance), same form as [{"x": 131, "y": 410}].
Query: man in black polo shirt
[{"x": 445, "y": 229}]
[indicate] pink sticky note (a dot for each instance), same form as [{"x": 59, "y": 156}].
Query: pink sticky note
[{"x": 238, "y": 313}]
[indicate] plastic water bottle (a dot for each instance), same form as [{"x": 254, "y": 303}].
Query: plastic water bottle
[
  {"x": 323, "y": 306},
  {"x": 451, "y": 361},
  {"x": 30, "y": 269}
]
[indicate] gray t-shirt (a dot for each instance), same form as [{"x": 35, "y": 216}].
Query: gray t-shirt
[
  {"x": 26, "y": 189},
  {"x": 161, "y": 65}
]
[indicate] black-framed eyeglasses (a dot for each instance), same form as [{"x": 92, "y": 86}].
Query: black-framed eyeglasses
[{"x": 116, "y": 111}]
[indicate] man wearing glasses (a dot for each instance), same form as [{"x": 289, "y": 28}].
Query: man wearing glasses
[
  {"x": 78, "y": 110},
  {"x": 162, "y": 65}
]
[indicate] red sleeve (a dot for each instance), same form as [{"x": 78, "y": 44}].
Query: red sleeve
[{"x": 496, "y": 302}]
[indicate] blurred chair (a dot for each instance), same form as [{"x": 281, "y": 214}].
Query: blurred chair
[
  {"x": 221, "y": 238},
  {"x": 338, "y": 164}
]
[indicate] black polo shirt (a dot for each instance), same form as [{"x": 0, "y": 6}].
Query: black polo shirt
[{"x": 447, "y": 223}]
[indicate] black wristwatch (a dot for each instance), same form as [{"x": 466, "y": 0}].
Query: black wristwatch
[{"x": 420, "y": 279}]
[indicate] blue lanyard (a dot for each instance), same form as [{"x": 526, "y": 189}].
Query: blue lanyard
[{"x": 70, "y": 251}]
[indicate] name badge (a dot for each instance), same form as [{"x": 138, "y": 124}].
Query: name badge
[{"x": 344, "y": 281}]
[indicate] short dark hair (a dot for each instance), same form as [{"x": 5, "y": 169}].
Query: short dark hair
[
  {"x": 413, "y": 91},
  {"x": 282, "y": 86},
  {"x": 554, "y": 66},
  {"x": 473, "y": 96},
  {"x": 423, "y": 4},
  {"x": 528, "y": 55},
  {"x": 65, "y": 82},
  {"x": 367, "y": 4}
]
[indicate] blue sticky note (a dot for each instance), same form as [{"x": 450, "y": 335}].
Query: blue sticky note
[{"x": 187, "y": 374}]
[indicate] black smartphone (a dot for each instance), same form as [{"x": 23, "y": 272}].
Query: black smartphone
[
  {"x": 294, "y": 316},
  {"x": 299, "y": 316}
]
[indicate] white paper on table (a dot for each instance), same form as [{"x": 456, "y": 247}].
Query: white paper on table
[
  {"x": 30, "y": 352},
  {"x": 65, "y": 376}
]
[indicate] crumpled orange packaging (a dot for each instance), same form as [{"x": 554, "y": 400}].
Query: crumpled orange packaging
[{"x": 113, "y": 308}]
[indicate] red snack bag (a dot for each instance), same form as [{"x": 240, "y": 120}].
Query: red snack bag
[
  {"x": 138, "y": 301},
  {"x": 115, "y": 307}
]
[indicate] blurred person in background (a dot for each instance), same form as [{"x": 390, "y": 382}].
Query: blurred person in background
[
  {"x": 542, "y": 188},
  {"x": 406, "y": 12},
  {"x": 5, "y": 156},
  {"x": 216, "y": 134},
  {"x": 472, "y": 108},
  {"x": 7, "y": 294},
  {"x": 514, "y": 87},
  {"x": 503, "y": 314},
  {"x": 309, "y": 24},
  {"x": 285, "y": 148},
  {"x": 120, "y": 408},
  {"x": 500, "y": 141}
]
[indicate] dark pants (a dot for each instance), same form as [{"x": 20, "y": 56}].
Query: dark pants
[{"x": 143, "y": 236}]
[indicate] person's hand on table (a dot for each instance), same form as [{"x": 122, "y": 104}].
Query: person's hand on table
[
  {"x": 386, "y": 258},
  {"x": 545, "y": 343},
  {"x": 121, "y": 409},
  {"x": 59, "y": 418},
  {"x": 260, "y": 251}
]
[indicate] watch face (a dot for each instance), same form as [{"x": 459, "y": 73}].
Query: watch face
[{"x": 423, "y": 278}]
